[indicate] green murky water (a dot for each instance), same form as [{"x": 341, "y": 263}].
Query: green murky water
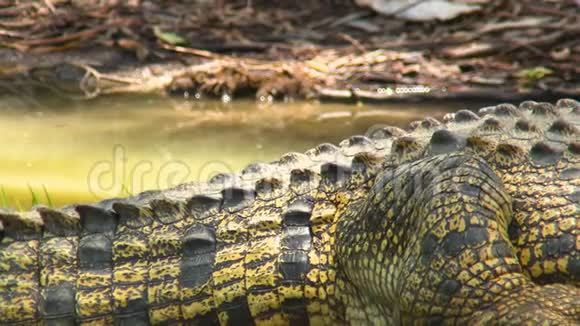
[{"x": 86, "y": 151}]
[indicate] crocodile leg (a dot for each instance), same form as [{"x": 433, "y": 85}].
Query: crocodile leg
[{"x": 430, "y": 245}]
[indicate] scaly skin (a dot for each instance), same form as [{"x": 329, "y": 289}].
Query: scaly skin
[{"x": 474, "y": 220}]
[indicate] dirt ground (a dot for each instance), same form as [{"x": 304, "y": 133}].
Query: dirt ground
[{"x": 330, "y": 50}]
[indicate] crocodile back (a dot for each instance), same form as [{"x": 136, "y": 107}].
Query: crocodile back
[{"x": 260, "y": 246}]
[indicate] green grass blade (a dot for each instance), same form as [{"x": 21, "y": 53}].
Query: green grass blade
[
  {"x": 48, "y": 200},
  {"x": 19, "y": 206},
  {"x": 33, "y": 196},
  {"x": 3, "y": 197}
]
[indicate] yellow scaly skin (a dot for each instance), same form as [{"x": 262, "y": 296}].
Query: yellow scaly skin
[{"x": 474, "y": 220}]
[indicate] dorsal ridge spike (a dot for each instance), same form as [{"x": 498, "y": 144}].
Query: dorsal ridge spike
[
  {"x": 96, "y": 219},
  {"x": 21, "y": 226},
  {"x": 510, "y": 149},
  {"x": 132, "y": 215},
  {"x": 542, "y": 153},
  {"x": 506, "y": 110},
  {"x": 323, "y": 152},
  {"x": 427, "y": 124},
  {"x": 204, "y": 204},
  {"x": 509, "y": 155},
  {"x": 527, "y": 105},
  {"x": 356, "y": 144},
  {"x": 301, "y": 176},
  {"x": 256, "y": 170},
  {"x": 574, "y": 147},
  {"x": 60, "y": 222},
  {"x": 569, "y": 103},
  {"x": 386, "y": 132},
  {"x": 167, "y": 211},
  {"x": 224, "y": 180},
  {"x": 461, "y": 116},
  {"x": 563, "y": 127},
  {"x": 236, "y": 198},
  {"x": 445, "y": 141},
  {"x": 291, "y": 159},
  {"x": 367, "y": 158},
  {"x": 544, "y": 109},
  {"x": 364, "y": 163},
  {"x": 269, "y": 187},
  {"x": 335, "y": 172},
  {"x": 406, "y": 149},
  {"x": 525, "y": 125},
  {"x": 491, "y": 124}
]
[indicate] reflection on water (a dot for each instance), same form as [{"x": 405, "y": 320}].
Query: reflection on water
[{"x": 86, "y": 151}]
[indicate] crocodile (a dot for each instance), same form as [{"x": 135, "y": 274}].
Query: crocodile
[{"x": 471, "y": 220}]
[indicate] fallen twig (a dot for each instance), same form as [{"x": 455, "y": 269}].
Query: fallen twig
[
  {"x": 197, "y": 52},
  {"x": 355, "y": 43},
  {"x": 65, "y": 38},
  {"x": 533, "y": 43}
]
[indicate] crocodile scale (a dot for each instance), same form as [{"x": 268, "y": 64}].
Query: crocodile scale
[{"x": 473, "y": 220}]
